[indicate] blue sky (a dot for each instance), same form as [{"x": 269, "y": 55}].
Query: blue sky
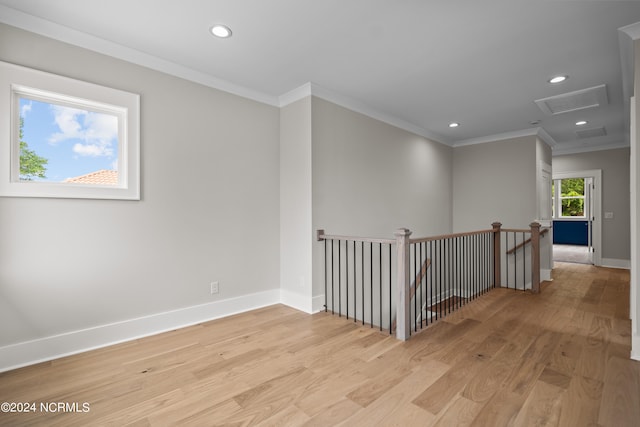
[{"x": 75, "y": 141}]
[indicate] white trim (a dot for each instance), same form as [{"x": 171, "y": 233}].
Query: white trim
[
  {"x": 545, "y": 275},
  {"x": 309, "y": 89},
  {"x": 65, "y": 34},
  {"x": 539, "y": 132},
  {"x": 635, "y": 347},
  {"x": 295, "y": 95},
  {"x": 296, "y": 300},
  {"x": 596, "y": 174},
  {"x": 616, "y": 263},
  {"x": 14, "y": 356},
  {"x": 635, "y": 221},
  {"x": 318, "y": 303},
  {"x": 22, "y": 82},
  {"x": 632, "y": 30},
  {"x": 300, "y": 302},
  {"x": 561, "y": 151}
]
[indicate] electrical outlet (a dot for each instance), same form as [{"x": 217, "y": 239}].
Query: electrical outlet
[
  {"x": 215, "y": 287},
  {"x": 608, "y": 215}
]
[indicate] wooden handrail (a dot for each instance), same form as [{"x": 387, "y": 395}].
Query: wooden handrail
[
  {"x": 322, "y": 236},
  {"x": 522, "y": 244},
  {"x": 450, "y": 236}
]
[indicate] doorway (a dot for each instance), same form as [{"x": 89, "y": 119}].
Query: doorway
[{"x": 576, "y": 217}]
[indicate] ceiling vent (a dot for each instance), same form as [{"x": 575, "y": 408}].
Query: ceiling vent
[
  {"x": 590, "y": 133},
  {"x": 574, "y": 101}
]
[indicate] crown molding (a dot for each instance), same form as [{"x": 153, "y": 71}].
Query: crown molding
[
  {"x": 538, "y": 132},
  {"x": 312, "y": 89},
  {"x": 561, "y": 151},
  {"x": 632, "y": 30},
  {"x": 295, "y": 95},
  {"x": 64, "y": 34}
]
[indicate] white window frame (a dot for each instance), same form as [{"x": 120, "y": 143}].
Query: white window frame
[
  {"x": 557, "y": 201},
  {"x": 17, "y": 82}
]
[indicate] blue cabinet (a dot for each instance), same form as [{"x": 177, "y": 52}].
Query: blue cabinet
[{"x": 571, "y": 232}]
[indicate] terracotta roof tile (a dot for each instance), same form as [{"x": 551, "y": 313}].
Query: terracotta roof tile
[{"x": 101, "y": 177}]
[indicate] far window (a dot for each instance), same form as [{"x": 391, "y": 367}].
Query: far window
[
  {"x": 61, "y": 137},
  {"x": 569, "y": 203}
]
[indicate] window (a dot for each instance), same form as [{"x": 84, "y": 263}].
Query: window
[
  {"x": 570, "y": 203},
  {"x": 67, "y": 138}
]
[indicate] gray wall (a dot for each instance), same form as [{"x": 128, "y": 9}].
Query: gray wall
[
  {"x": 210, "y": 201},
  {"x": 495, "y": 181},
  {"x": 371, "y": 178},
  {"x": 615, "y": 195}
]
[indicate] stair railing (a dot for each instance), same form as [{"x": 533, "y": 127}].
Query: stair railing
[{"x": 434, "y": 276}]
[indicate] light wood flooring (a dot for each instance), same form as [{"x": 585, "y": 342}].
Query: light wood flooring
[{"x": 508, "y": 358}]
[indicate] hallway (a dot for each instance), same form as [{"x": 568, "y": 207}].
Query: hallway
[{"x": 571, "y": 253}]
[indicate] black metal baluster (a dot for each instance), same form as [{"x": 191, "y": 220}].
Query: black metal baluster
[
  {"x": 440, "y": 278},
  {"x": 346, "y": 275},
  {"x": 355, "y": 292},
  {"x": 483, "y": 262},
  {"x": 339, "y": 279},
  {"x": 523, "y": 262},
  {"x": 506, "y": 246},
  {"x": 515, "y": 261},
  {"x": 433, "y": 268},
  {"x": 390, "y": 290},
  {"x": 371, "y": 282},
  {"x": 326, "y": 269},
  {"x": 380, "y": 281},
  {"x": 422, "y": 276},
  {"x": 414, "y": 275},
  {"x": 362, "y": 277},
  {"x": 333, "y": 291}
]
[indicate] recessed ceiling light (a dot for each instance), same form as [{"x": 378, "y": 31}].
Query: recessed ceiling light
[
  {"x": 558, "y": 79},
  {"x": 581, "y": 122},
  {"x": 454, "y": 125},
  {"x": 221, "y": 31}
]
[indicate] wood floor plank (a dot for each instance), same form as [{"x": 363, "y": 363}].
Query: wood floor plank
[
  {"x": 542, "y": 407},
  {"x": 460, "y": 413},
  {"x": 620, "y": 404},
  {"x": 581, "y": 403}
]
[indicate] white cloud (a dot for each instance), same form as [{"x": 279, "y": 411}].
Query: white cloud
[
  {"x": 25, "y": 109},
  {"x": 98, "y": 131},
  {"x": 92, "y": 150}
]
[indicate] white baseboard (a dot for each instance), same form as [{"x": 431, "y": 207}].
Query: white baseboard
[
  {"x": 635, "y": 347},
  {"x": 545, "y": 275},
  {"x": 616, "y": 263},
  {"x": 318, "y": 303},
  {"x": 296, "y": 300},
  {"x": 40, "y": 350}
]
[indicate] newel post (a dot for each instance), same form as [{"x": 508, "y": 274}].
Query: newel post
[
  {"x": 403, "y": 302},
  {"x": 535, "y": 257},
  {"x": 497, "y": 268}
]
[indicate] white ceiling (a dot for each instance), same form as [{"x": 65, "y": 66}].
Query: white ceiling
[{"x": 417, "y": 63}]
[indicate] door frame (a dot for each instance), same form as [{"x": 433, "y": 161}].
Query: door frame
[{"x": 596, "y": 194}]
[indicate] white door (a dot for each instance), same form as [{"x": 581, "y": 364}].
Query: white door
[
  {"x": 544, "y": 193},
  {"x": 588, "y": 206}
]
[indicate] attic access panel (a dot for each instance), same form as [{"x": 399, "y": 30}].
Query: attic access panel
[{"x": 573, "y": 101}]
